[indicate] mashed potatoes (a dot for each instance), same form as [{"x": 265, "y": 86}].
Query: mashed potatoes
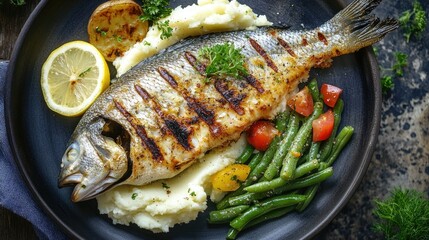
[
  {"x": 162, "y": 204},
  {"x": 207, "y": 17}
]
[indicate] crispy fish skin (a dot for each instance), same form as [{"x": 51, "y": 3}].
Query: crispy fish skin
[{"x": 161, "y": 117}]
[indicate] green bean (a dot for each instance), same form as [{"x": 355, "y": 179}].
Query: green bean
[
  {"x": 314, "y": 90},
  {"x": 259, "y": 170},
  {"x": 265, "y": 206},
  {"x": 314, "y": 151},
  {"x": 291, "y": 159},
  {"x": 245, "y": 155},
  {"x": 255, "y": 160},
  {"x": 270, "y": 215},
  {"x": 278, "y": 182},
  {"x": 274, "y": 166},
  {"x": 252, "y": 164},
  {"x": 342, "y": 140},
  {"x": 225, "y": 215},
  {"x": 282, "y": 120},
  {"x": 309, "y": 195},
  {"x": 326, "y": 149},
  {"x": 307, "y": 181},
  {"x": 232, "y": 234}
]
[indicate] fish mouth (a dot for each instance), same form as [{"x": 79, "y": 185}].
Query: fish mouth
[{"x": 83, "y": 192}]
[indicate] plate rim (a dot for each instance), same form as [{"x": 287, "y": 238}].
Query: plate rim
[{"x": 372, "y": 73}]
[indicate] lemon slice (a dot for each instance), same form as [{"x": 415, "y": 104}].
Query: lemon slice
[{"x": 73, "y": 76}]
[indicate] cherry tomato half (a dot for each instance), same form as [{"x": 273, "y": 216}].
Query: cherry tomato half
[
  {"x": 330, "y": 94},
  {"x": 260, "y": 134},
  {"x": 323, "y": 126},
  {"x": 302, "y": 102}
]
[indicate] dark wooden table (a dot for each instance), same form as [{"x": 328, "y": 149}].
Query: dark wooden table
[
  {"x": 12, "y": 18},
  {"x": 400, "y": 159}
]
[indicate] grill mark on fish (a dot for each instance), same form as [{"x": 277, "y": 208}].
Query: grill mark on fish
[
  {"x": 282, "y": 42},
  {"x": 263, "y": 54},
  {"x": 230, "y": 95},
  {"x": 180, "y": 132},
  {"x": 304, "y": 42},
  {"x": 252, "y": 81},
  {"x": 141, "y": 132},
  {"x": 322, "y": 38},
  {"x": 202, "y": 111},
  {"x": 201, "y": 68}
]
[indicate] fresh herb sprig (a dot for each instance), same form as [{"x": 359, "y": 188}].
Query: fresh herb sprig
[
  {"x": 397, "y": 70},
  {"x": 164, "y": 27},
  {"x": 153, "y": 11},
  {"x": 413, "y": 22},
  {"x": 14, "y": 2},
  {"x": 405, "y": 215},
  {"x": 223, "y": 60}
]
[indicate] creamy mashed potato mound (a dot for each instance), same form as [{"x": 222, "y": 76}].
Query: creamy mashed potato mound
[
  {"x": 162, "y": 204},
  {"x": 207, "y": 16}
]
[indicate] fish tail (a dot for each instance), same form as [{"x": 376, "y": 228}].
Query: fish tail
[{"x": 359, "y": 26}]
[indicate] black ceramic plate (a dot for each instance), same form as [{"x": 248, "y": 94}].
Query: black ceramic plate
[{"x": 39, "y": 137}]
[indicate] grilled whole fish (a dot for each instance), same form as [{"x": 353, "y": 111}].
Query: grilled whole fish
[{"x": 161, "y": 116}]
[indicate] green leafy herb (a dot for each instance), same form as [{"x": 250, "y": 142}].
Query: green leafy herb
[
  {"x": 14, "y": 2},
  {"x": 400, "y": 63},
  {"x": 164, "y": 27},
  {"x": 413, "y": 22},
  {"x": 82, "y": 74},
  {"x": 405, "y": 215},
  {"x": 101, "y": 32},
  {"x": 146, "y": 43},
  {"x": 118, "y": 38},
  {"x": 193, "y": 194},
  {"x": 223, "y": 60},
  {"x": 134, "y": 196},
  {"x": 397, "y": 70},
  {"x": 386, "y": 84},
  {"x": 155, "y": 9}
]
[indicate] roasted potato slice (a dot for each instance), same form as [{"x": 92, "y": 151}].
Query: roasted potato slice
[{"x": 115, "y": 26}]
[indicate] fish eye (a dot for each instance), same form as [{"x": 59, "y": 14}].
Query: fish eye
[{"x": 73, "y": 152}]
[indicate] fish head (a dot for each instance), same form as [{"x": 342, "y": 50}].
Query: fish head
[{"x": 96, "y": 159}]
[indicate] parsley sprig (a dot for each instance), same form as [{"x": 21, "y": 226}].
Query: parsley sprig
[
  {"x": 153, "y": 11},
  {"x": 397, "y": 70},
  {"x": 223, "y": 60},
  {"x": 413, "y": 22},
  {"x": 405, "y": 215}
]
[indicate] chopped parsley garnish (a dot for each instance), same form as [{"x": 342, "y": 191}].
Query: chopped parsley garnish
[
  {"x": 223, "y": 60},
  {"x": 146, "y": 43},
  {"x": 165, "y": 185},
  {"x": 154, "y": 10},
  {"x": 164, "y": 27},
  {"x": 101, "y": 32},
  {"x": 193, "y": 194},
  {"x": 134, "y": 196},
  {"x": 413, "y": 22}
]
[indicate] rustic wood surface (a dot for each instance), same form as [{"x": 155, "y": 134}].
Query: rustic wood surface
[{"x": 12, "y": 18}]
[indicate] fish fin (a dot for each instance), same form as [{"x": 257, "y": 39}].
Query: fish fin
[{"x": 363, "y": 28}]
